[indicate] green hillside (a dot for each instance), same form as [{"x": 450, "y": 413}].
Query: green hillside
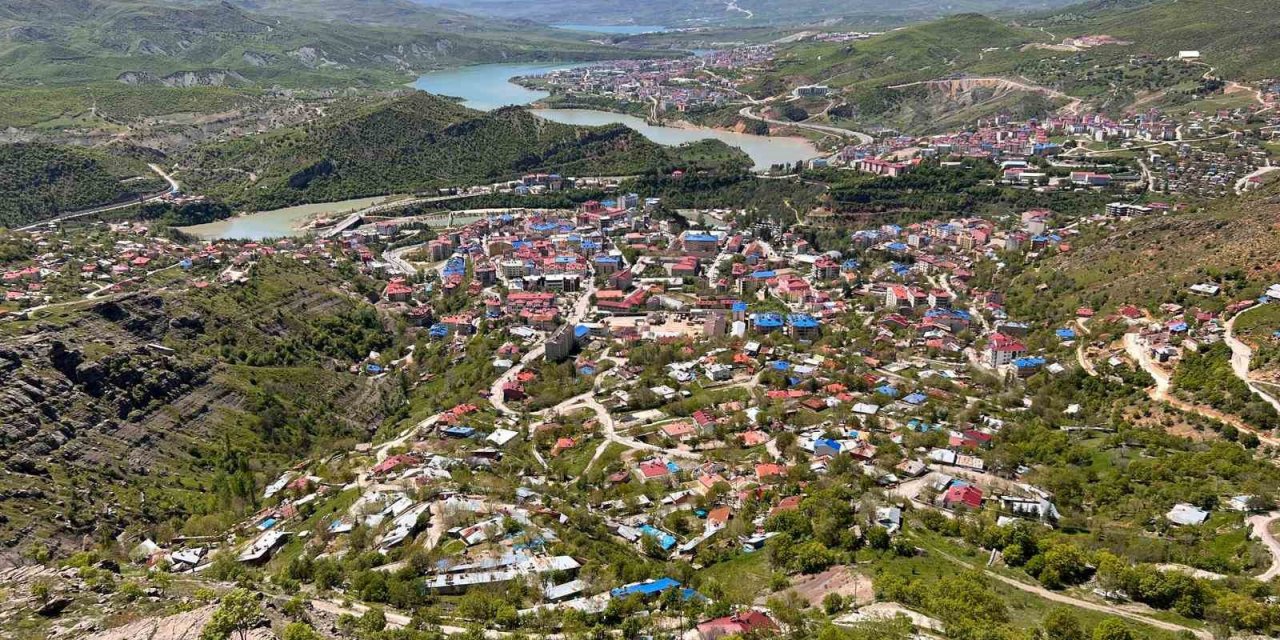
[
  {"x": 1237, "y": 37},
  {"x": 920, "y": 52},
  {"x": 420, "y": 142},
  {"x": 1234, "y": 243},
  {"x": 179, "y": 43},
  {"x": 40, "y": 180},
  {"x": 183, "y": 441}
]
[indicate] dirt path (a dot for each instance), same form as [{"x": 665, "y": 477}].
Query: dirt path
[
  {"x": 1261, "y": 524},
  {"x": 1062, "y": 598},
  {"x": 1085, "y": 363},
  {"x": 1241, "y": 356},
  {"x": 1160, "y": 393}
]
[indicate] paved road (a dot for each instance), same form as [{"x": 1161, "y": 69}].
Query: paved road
[
  {"x": 174, "y": 187},
  {"x": 862, "y": 138},
  {"x": 395, "y": 258},
  {"x": 1262, "y": 171}
]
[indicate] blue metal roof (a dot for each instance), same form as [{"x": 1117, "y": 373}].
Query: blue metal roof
[
  {"x": 650, "y": 588},
  {"x": 827, "y": 442},
  {"x": 1029, "y": 362},
  {"x": 915, "y": 398},
  {"x": 769, "y": 320},
  {"x": 802, "y": 321},
  {"x": 701, "y": 237},
  {"x": 665, "y": 540}
]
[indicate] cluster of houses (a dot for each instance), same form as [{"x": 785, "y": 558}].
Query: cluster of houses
[{"x": 674, "y": 84}]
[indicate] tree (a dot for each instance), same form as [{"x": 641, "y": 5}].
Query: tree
[
  {"x": 1061, "y": 624},
  {"x": 878, "y": 538},
  {"x": 236, "y": 615},
  {"x": 299, "y": 631},
  {"x": 832, "y": 603},
  {"x": 373, "y": 620},
  {"x": 1112, "y": 629},
  {"x": 41, "y": 591}
]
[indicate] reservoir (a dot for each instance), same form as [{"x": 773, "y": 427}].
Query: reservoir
[
  {"x": 488, "y": 86},
  {"x": 278, "y": 223}
]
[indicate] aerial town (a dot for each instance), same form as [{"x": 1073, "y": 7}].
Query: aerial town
[{"x": 667, "y": 321}]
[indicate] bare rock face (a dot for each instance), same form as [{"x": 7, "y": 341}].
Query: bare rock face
[{"x": 183, "y": 626}]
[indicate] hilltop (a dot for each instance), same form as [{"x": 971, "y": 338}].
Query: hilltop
[
  {"x": 701, "y": 13},
  {"x": 420, "y": 142}
]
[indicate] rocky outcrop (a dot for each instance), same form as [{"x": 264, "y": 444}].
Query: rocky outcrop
[
  {"x": 184, "y": 79},
  {"x": 255, "y": 59},
  {"x": 182, "y": 626}
]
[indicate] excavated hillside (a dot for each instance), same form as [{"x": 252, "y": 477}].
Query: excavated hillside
[{"x": 136, "y": 410}]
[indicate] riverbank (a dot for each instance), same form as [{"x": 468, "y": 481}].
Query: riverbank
[
  {"x": 488, "y": 87},
  {"x": 279, "y": 223}
]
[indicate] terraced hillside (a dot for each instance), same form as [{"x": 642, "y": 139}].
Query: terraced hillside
[{"x": 141, "y": 409}]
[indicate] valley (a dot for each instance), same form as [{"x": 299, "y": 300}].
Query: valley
[{"x": 398, "y": 320}]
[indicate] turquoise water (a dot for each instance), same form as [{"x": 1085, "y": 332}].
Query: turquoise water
[
  {"x": 616, "y": 30},
  {"x": 487, "y": 87}
]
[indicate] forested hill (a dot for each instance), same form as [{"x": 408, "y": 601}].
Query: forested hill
[
  {"x": 420, "y": 142},
  {"x": 38, "y": 181}
]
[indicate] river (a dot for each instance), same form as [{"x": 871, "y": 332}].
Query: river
[
  {"x": 277, "y": 223},
  {"x": 488, "y": 86}
]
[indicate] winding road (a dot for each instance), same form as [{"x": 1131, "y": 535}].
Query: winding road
[
  {"x": 862, "y": 138},
  {"x": 174, "y": 187},
  {"x": 1241, "y": 355},
  {"x": 1160, "y": 393}
]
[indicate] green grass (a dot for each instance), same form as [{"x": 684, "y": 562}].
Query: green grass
[
  {"x": 744, "y": 578},
  {"x": 1026, "y": 610}
]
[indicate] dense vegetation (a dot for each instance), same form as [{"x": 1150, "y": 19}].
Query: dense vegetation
[
  {"x": 419, "y": 142},
  {"x": 1205, "y": 376},
  {"x": 38, "y": 181}
]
